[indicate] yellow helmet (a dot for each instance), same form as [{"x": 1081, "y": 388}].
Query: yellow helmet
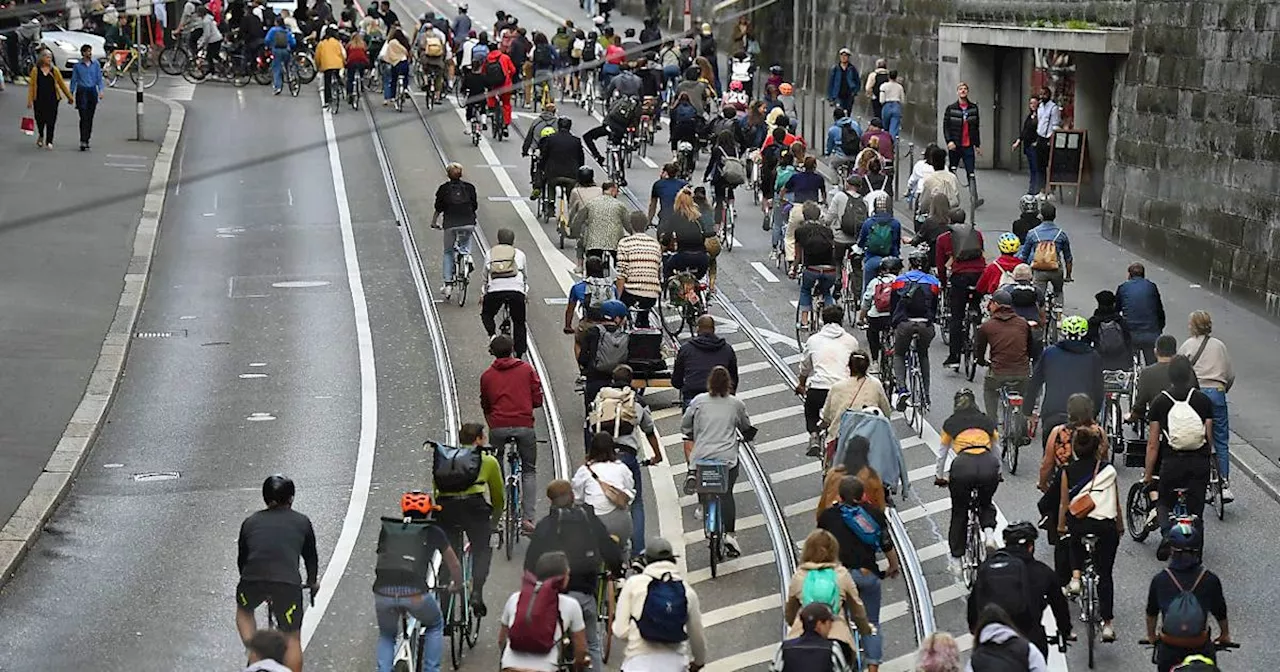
[
  {"x": 1009, "y": 243},
  {"x": 549, "y": 130}
]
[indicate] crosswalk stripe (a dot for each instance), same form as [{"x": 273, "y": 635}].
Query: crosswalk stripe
[
  {"x": 740, "y": 609},
  {"x": 757, "y": 520},
  {"x": 746, "y": 659},
  {"x": 753, "y": 393},
  {"x": 730, "y": 566},
  {"x": 947, "y": 593},
  {"x": 808, "y": 468}
]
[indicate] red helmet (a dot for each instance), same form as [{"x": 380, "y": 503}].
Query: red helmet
[
  {"x": 417, "y": 501},
  {"x": 735, "y": 85}
]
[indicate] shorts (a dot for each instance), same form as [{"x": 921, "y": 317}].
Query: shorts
[{"x": 285, "y": 600}]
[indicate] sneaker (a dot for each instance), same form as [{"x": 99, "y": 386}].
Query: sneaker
[
  {"x": 904, "y": 400},
  {"x": 697, "y": 512},
  {"x": 989, "y": 539},
  {"x": 955, "y": 567},
  {"x": 951, "y": 361},
  {"x": 731, "y": 547},
  {"x": 477, "y": 606},
  {"x": 1227, "y": 496},
  {"x": 1151, "y": 519},
  {"x": 1108, "y": 633},
  {"x": 690, "y": 484},
  {"x": 815, "y": 445},
  {"x": 446, "y": 290},
  {"x": 1073, "y": 586},
  {"x": 276, "y": 93}
]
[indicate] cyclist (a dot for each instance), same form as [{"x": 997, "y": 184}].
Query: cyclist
[
  {"x": 820, "y": 267},
  {"x": 967, "y": 437},
  {"x": 725, "y": 171},
  {"x": 711, "y": 427},
  {"x": 876, "y": 306},
  {"x": 474, "y": 88},
  {"x": 544, "y": 125},
  {"x": 561, "y": 157},
  {"x": 602, "y": 347},
  {"x": 999, "y": 645},
  {"x": 270, "y": 545},
  {"x": 1028, "y": 217},
  {"x": 603, "y": 223},
  {"x": 585, "y": 190},
  {"x": 1000, "y": 271},
  {"x": 456, "y": 204},
  {"x": 1180, "y": 440},
  {"x": 662, "y": 197},
  {"x": 824, "y": 361},
  {"x": 461, "y": 26},
  {"x": 330, "y": 59},
  {"x": 1138, "y": 299},
  {"x": 1057, "y": 456},
  {"x": 960, "y": 263},
  {"x": 545, "y": 57},
  {"x": 590, "y": 293},
  {"x": 1154, "y": 379},
  {"x": 395, "y": 54},
  {"x": 1109, "y": 333},
  {"x": 631, "y": 420},
  {"x": 466, "y": 511},
  {"x": 509, "y": 391},
  {"x": 737, "y": 97},
  {"x": 357, "y": 64},
  {"x": 832, "y": 586},
  {"x": 684, "y": 232},
  {"x": 407, "y": 545},
  {"x": 881, "y": 236},
  {"x": 940, "y": 181},
  {"x": 506, "y": 284},
  {"x": 267, "y": 650},
  {"x": 1167, "y": 606},
  {"x": 499, "y": 73},
  {"x": 1028, "y": 300},
  {"x": 698, "y": 356},
  {"x": 692, "y": 90},
  {"x": 1011, "y": 343},
  {"x": 1212, "y": 364},
  {"x": 1047, "y": 249},
  {"x": 686, "y": 126},
  {"x": 1023, "y": 591},
  {"x": 576, "y": 532},
  {"x": 624, "y": 115},
  {"x": 1068, "y": 367},
  {"x": 844, "y": 140},
  {"x": 913, "y": 310},
  {"x": 1091, "y": 476},
  {"x": 919, "y": 171},
  {"x": 660, "y": 573},
  {"x": 541, "y": 651},
  {"x": 606, "y": 485},
  {"x": 433, "y": 51},
  {"x": 815, "y": 645},
  {"x": 626, "y": 84},
  {"x": 639, "y": 271}
]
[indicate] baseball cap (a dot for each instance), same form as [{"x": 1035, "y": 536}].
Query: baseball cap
[
  {"x": 657, "y": 549},
  {"x": 1002, "y": 298},
  {"x": 845, "y": 51}
]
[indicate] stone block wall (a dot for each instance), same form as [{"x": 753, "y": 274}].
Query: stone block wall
[{"x": 1194, "y": 174}]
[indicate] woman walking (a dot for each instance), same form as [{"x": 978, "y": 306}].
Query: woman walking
[
  {"x": 1212, "y": 365},
  {"x": 45, "y": 89},
  {"x": 86, "y": 90}
]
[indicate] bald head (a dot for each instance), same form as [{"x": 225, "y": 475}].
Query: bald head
[{"x": 706, "y": 325}]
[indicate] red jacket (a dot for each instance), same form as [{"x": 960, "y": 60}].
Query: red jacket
[
  {"x": 508, "y": 67},
  {"x": 509, "y": 391},
  {"x": 990, "y": 280},
  {"x": 945, "y": 251}
]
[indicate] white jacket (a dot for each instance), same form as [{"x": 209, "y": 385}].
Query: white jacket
[
  {"x": 825, "y": 358},
  {"x": 1106, "y": 504},
  {"x": 631, "y": 605}
]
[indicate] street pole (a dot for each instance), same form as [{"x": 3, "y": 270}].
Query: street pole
[
  {"x": 815, "y": 125},
  {"x": 688, "y": 15},
  {"x": 137, "y": 39}
]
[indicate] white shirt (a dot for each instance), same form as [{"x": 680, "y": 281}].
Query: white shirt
[
  {"x": 515, "y": 283},
  {"x": 467, "y": 48},
  {"x": 570, "y": 617},
  {"x": 921, "y": 170},
  {"x": 586, "y": 489},
  {"x": 1048, "y": 117},
  {"x": 891, "y": 92},
  {"x": 740, "y": 71},
  {"x": 825, "y": 360}
]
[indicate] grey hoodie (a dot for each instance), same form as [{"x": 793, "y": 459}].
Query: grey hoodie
[
  {"x": 999, "y": 633},
  {"x": 714, "y": 423}
]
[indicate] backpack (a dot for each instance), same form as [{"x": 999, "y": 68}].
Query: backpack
[
  {"x": 455, "y": 468},
  {"x": 456, "y": 194},
  {"x": 1045, "y": 257},
  {"x": 853, "y": 217},
  {"x": 401, "y": 556},
  {"x": 665, "y": 611},
  {"x": 850, "y": 143},
  {"x": 1007, "y": 656},
  {"x": 682, "y": 113},
  {"x": 611, "y": 351},
  {"x": 880, "y": 238},
  {"x": 623, "y": 111},
  {"x": 915, "y": 298},
  {"x": 479, "y": 53},
  {"x": 820, "y": 586},
  {"x": 544, "y": 56},
  {"x": 870, "y": 199},
  {"x": 281, "y": 39},
  {"x": 615, "y": 405},
  {"x": 882, "y": 296},
  {"x": 1110, "y": 338},
  {"x": 860, "y": 522},
  {"x": 1004, "y": 580},
  {"x": 1184, "y": 623},
  {"x": 733, "y": 171},
  {"x": 434, "y": 46},
  {"x": 1184, "y": 430},
  {"x": 502, "y": 262},
  {"x": 598, "y": 291},
  {"x": 494, "y": 75},
  {"x": 965, "y": 243},
  {"x": 537, "y": 618},
  {"x": 1006, "y": 278}
]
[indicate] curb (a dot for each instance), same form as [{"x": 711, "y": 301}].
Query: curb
[
  {"x": 51, "y": 486},
  {"x": 1255, "y": 465}
]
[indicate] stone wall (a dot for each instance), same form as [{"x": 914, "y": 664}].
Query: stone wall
[{"x": 1195, "y": 153}]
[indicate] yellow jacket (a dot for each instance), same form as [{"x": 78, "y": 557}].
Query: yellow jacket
[
  {"x": 59, "y": 85},
  {"x": 330, "y": 55}
]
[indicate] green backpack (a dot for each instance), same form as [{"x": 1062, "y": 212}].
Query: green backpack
[{"x": 820, "y": 586}]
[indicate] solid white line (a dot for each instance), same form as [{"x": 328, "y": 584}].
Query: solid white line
[
  {"x": 359, "y": 500},
  {"x": 746, "y": 659},
  {"x": 764, "y": 272}
]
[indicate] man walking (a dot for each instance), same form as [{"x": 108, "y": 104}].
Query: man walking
[
  {"x": 843, "y": 82},
  {"x": 960, "y": 127},
  {"x": 877, "y": 77},
  {"x": 1048, "y": 119},
  {"x": 86, "y": 90}
]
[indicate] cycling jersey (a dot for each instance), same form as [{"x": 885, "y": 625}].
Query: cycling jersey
[{"x": 271, "y": 543}]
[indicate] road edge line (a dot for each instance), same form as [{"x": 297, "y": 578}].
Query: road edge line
[{"x": 50, "y": 488}]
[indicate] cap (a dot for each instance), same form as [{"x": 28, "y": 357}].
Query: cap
[
  {"x": 657, "y": 549},
  {"x": 1002, "y": 298},
  {"x": 844, "y": 51}
]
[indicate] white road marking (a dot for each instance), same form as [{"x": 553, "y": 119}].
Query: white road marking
[
  {"x": 929, "y": 508},
  {"x": 359, "y": 500},
  {"x": 809, "y": 468},
  {"x": 740, "y": 609},
  {"x": 750, "y": 522},
  {"x": 764, "y": 272},
  {"x": 947, "y": 593},
  {"x": 780, "y": 339},
  {"x": 746, "y": 394},
  {"x": 746, "y": 659},
  {"x": 300, "y": 284},
  {"x": 730, "y": 566}
]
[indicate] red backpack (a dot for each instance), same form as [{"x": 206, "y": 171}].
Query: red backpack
[
  {"x": 537, "y": 618},
  {"x": 882, "y": 297}
]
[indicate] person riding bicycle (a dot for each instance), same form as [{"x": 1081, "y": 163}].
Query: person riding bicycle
[
  {"x": 506, "y": 283},
  {"x": 737, "y": 96},
  {"x": 499, "y": 72},
  {"x": 1154, "y": 379},
  {"x": 561, "y": 157},
  {"x": 1179, "y": 601},
  {"x": 1179, "y": 438},
  {"x": 1138, "y": 299},
  {"x": 1014, "y": 580},
  {"x": 406, "y": 547},
  {"x": 683, "y": 234},
  {"x": 960, "y": 263},
  {"x": 1028, "y": 300},
  {"x": 844, "y": 140},
  {"x": 686, "y": 125},
  {"x": 1109, "y": 333},
  {"x": 1028, "y": 217},
  {"x": 623, "y": 116},
  {"x": 877, "y": 301},
  {"x": 1089, "y": 503},
  {"x": 725, "y": 171},
  {"x": 968, "y": 437},
  {"x": 460, "y": 493},
  {"x": 817, "y": 261},
  {"x": 608, "y": 486},
  {"x": 271, "y": 543},
  {"x": 913, "y": 309},
  {"x": 510, "y": 390},
  {"x": 1000, "y": 271},
  {"x": 711, "y": 427},
  {"x": 692, "y": 89},
  {"x": 998, "y": 645},
  {"x": 824, "y": 361},
  {"x": 603, "y": 223},
  {"x": 881, "y": 236},
  {"x": 456, "y": 204},
  {"x": 433, "y": 51},
  {"x": 1012, "y": 343},
  {"x": 474, "y": 88},
  {"x": 626, "y": 84},
  {"x": 1067, "y": 367},
  {"x": 1047, "y": 249},
  {"x": 1058, "y": 454},
  {"x": 267, "y": 650}
]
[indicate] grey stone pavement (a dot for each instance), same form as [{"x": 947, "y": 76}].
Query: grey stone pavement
[{"x": 67, "y": 222}]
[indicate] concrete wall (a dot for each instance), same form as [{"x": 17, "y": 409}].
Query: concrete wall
[{"x": 1195, "y": 153}]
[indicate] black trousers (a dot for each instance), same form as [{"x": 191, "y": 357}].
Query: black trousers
[
  {"x": 970, "y": 471},
  {"x": 515, "y": 303},
  {"x": 814, "y": 400},
  {"x": 46, "y": 115},
  {"x": 960, "y": 295},
  {"x": 643, "y": 303},
  {"x": 87, "y": 104},
  {"x": 332, "y": 85},
  {"x": 1105, "y": 560},
  {"x": 879, "y": 335},
  {"x": 1183, "y": 471},
  {"x": 471, "y": 514}
]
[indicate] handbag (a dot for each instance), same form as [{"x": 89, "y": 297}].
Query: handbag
[
  {"x": 29, "y": 125},
  {"x": 1083, "y": 503},
  {"x": 615, "y": 495}
]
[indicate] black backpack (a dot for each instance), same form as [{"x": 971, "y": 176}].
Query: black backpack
[
  {"x": 850, "y": 143},
  {"x": 916, "y": 299},
  {"x": 965, "y": 244},
  {"x": 494, "y": 75},
  {"x": 455, "y": 194},
  {"x": 455, "y": 468},
  {"x": 1004, "y": 580},
  {"x": 623, "y": 111},
  {"x": 1007, "y": 656},
  {"x": 881, "y": 78},
  {"x": 1110, "y": 338},
  {"x": 544, "y": 56},
  {"x": 854, "y": 216},
  {"x": 281, "y": 39},
  {"x": 405, "y": 552}
]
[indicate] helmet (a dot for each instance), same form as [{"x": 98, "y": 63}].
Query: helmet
[
  {"x": 613, "y": 308},
  {"x": 564, "y": 123},
  {"x": 1021, "y": 533},
  {"x": 785, "y": 89},
  {"x": 891, "y": 264},
  {"x": 882, "y": 203},
  {"x": 277, "y": 489},
  {"x": 963, "y": 394},
  {"x": 735, "y": 85},
  {"x": 463, "y": 8},
  {"x": 692, "y": 73},
  {"x": 1028, "y": 204},
  {"x": 1184, "y": 536},
  {"x": 546, "y": 130},
  {"x": 1009, "y": 243},
  {"x": 775, "y": 70},
  {"x": 1074, "y": 326},
  {"x": 598, "y": 20},
  {"x": 1196, "y": 663},
  {"x": 586, "y": 175},
  {"x": 417, "y": 501},
  {"x": 918, "y": 256}
]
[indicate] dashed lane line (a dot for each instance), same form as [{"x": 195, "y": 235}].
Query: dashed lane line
[
  {"x": 752, "y": 393},
  {"x": 764, "y": 272}
]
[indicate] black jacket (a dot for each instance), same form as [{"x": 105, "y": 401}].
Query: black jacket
[
  {"x": 695, "y": 360},
  {"x": 1112, "y": 361},
  {"x": 580, "y": 535},
  {"x": 1029, "y": 135},
  {"x": 1023, "y": 225},
  {"x": 953, "y": 118},
  {"x": 562, "y": 155},
  {"x": 1045, "y": 591},
  {"x": 1063, "y": 370}
]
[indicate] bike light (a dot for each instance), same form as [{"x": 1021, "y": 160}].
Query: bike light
[{"x": 1015, "y": 401}]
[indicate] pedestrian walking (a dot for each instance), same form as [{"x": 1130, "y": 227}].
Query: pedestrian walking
[
  {"x": 875, "y": 78},
  {"x": 843, "y": 82},
  {"x": 1138, "y": 299},
  {"x": 45, "y": 89},
  {"x": 891, "y": 96},
  {"x": 960, "y": 127},
  {"x": 86, "y": 90},
  {"x": 1028, "y": 141}
]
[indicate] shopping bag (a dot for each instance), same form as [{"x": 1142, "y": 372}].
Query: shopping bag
[{"x": 29, "y": 125}]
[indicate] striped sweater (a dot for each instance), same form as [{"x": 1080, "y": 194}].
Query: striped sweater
[{"x": 640, "y": 265}]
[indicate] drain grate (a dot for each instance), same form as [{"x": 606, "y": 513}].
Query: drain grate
[
  {"x": 177, "y": 333},
  {"x": 153, "y": 476}
]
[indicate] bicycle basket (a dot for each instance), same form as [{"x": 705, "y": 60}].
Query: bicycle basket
[
  {"x": 712, "y": 477},
  {"x": 1135, "y": 453},
  {"x": 682, "y": 289}
]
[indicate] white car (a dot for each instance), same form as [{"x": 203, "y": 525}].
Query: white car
[{"x": 65, "y": 45}]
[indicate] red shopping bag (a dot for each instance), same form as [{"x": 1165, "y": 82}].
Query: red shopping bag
[{"x": 28, "y": 125}]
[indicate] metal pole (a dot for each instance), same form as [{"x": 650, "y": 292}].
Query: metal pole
[
  {"x": 688, "y": 15},
  {"x": 137, "y": 39},
  {"x": 815, "y": 124},
  {"x": 795, "y": 39}
]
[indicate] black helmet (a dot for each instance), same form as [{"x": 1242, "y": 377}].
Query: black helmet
[
  {"x": 1020, "y": 534},
  {"x": 586, "y": 175},
  {"x": 564, "y": 123},
  {"x": 918, "y": 256},
  {"x": 891, "y": 264},
  {"x": 277, "y": 489},
  {"x": 692, "y": 73},
  {"x": 775, "y": 70}
]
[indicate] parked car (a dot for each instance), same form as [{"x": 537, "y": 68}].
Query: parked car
[{"x": 65, "y": 45}]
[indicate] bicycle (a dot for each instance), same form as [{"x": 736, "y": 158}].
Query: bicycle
[
  {"x": 687, "y": 296},
  {"x": 1089, "y": 606},
  {"x": 1013, "y": 426},
  {"x": 173, "y": 59},
  {"x": 684, "y": 159},
  {"x": 1115, "y": 384},
  {"x": 462, "y": 268},
  {"x": 1214, "y": 497},
  {"x": 644, "y": 135},
  {"x": 803, "y": 329},
  {"x": 1054, "y": 317},
  {"x": 496, "y": 121},
  {"x": 402, "y": 90},
  {"x": 606, "y": 605},
  {"x": 134, "y": 61},
  {"x": 1217, "y": 647},
  {"x": 477, "y": 127},
  {"x": 509, "y": 533},
  {"x": 615, "y": 160},
  {"x": 727, "y": 225},
  {"x": 919, "y": 405},
  {"x": 968, "y": 362},
  {"x": 851, "y": 282},
  {"x": 411, "y": 636},
  {"x": 461, "y": 624},
  {"x": 562, "y": 213},
  {"x": 1137, "y": 509},
  {"x": 292, "y": 78},
  {"x": 975, "y": 550},
  {"x": 712, "y": 482}
]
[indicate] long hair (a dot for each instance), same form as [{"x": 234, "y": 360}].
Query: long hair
[
  {"x": 719, "y": 383},
  {"x": 938, "y": 653},
  {"x": 686, "y": 207}
]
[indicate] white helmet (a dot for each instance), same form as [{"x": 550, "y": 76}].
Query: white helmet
[{"x": 599, "y": 20}]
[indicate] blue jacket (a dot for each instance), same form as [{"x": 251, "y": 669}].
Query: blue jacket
[
  {"x": 1073, "y": 367},
  {"x": 850, "y": 76},
  {"x": 833, "y": 135},
  {"x": 896, "y": 244},
  {"x": 86, "y": 75},
  {"x": 270, "y": 39},
  {"x": 1138, "y": 299},
  {"x": 898, "y": 313},
  {"x": 1046, "y": 231},
  {"x": 885, "y": 455}
]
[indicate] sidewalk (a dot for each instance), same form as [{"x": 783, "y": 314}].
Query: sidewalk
[{"x": 67, "y": 225}]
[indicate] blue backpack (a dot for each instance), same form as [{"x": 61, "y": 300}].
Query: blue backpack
[
  {"x": 665, "y": 612},
  {"x": 861, "y": 524}
]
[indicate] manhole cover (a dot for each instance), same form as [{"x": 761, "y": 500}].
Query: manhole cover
[{"x": 152, "y": 476}]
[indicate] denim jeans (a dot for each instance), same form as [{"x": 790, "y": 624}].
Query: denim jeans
[
  {"x": 1221, "y": 429},
  {"x": 590, "y": 614},
  {"x": 279, "y": 58},
  {"x": 779, "y": 225},
  {"x": 637, "y": 505},
  {"x": 455, "y": 237},
  {"x": 424, "y": 608},
  {"x": 392, "y": 78},
  {"x": 813, "y": 282},
  {"x": 891, "y": 114},
  {"x": 869, "y": 591},
  {"x": 870, "y": 266},
  {"x": 527, "y": 444},
  {"x": 961, "y": 155}
]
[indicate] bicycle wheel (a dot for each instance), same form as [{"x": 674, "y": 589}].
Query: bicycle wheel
[
  {"x": 195, "y": 71},
  {"x": 111, "y": 73},
  {"x": 967, "y": 357},
  {"x": 605, "y": 619},
  {"x": 147, "y": 74},
  {"x": 1215, "y": 488},
  {"x": 717, "y": 535},
  {"x": 306, "y": 68},
  {"x": 262, "y": 72},
  {"x": 730, "y": 218},
  {"x": 972, "y": 556},
  {"x": 944, "y": 320},
  {"x": 295, "y": 82},
  {"x": 918, "y": 400},
  {"x": 511, "y": 523},
  {"x": 239, "y": 71},
  {"x": 670, "y": 317},
  {"x": 1137, "y": 507},
  {"x": 455, "y": 621},
  {"x": 1009, "y": 453},
  {"x": 173, "y": 60},
  {"x": 1089, "y": 610}
]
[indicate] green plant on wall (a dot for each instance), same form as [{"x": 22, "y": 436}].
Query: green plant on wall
[{"x": 1070, "y": 24}]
